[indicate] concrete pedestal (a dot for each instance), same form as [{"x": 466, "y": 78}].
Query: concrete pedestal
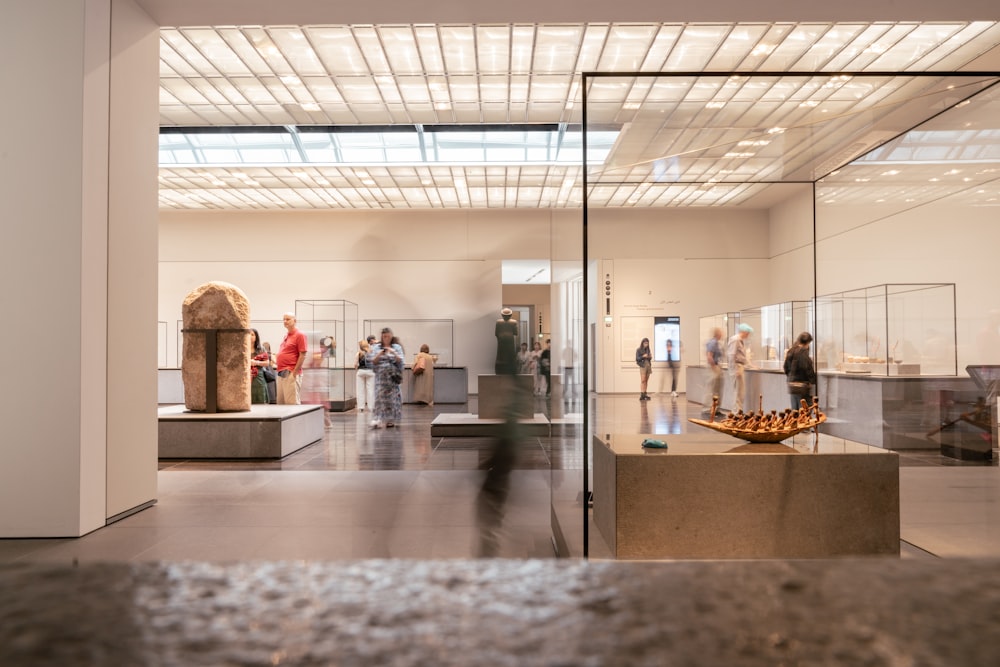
[
  {"x": 265, "y": 432},
  {"x": 717, "y": 497},
  {"x": 498, "y": 393}
]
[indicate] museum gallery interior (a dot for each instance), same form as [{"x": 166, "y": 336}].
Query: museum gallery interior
[{"x": 601, "y": 174}]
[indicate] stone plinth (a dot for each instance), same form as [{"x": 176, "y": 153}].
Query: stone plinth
[
  {"x": 263, "y": 432},
  {"x": 216, "y": 317},
  {"x": 717, "y": 497},
  {"x": 498, "y": 394}
]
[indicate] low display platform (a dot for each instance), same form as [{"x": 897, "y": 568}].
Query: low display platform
[
  {"x": 713, "y": 496},
  {"x": 265, "y": 432},
  {"x": 464, "y": 424}
]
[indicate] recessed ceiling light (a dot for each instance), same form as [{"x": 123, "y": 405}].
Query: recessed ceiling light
[
  {"x": 809, "y": 103},
  {"x": 737, "y": 154},
  {"x": 891, "y": 172},
  {"x": 776, "y": 130}
]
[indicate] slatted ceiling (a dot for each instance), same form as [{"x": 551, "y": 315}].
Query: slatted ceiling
[{"x": 405, "y": 74}]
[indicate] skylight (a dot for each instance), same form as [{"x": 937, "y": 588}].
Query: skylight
[{"x": 512, "y": 145}]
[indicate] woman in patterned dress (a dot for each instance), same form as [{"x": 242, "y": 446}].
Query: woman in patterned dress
[{"x": 386, "y": 359}]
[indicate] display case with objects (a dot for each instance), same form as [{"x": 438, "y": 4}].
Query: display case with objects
[
  {"x": 332, "y": 333},
  {"x": 888, "y": 330},
  {"x": 439, "y": 335},
  {"x": 451, "y": 380},
  {"x": 775, "y": 328}
]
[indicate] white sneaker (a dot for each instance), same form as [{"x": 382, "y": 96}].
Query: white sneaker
[
  {"x": 376, "y": 423},
  {"x": 674, "y": 394}
]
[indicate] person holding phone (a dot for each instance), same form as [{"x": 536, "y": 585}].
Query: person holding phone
[
  {"x": 386, "y": 359},
  {"x": 644, "y": 360}
]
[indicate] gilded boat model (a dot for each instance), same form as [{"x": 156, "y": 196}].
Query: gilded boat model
[{"x": 763, "y": 426}]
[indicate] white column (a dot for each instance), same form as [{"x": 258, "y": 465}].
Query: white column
[{"x": 78, "y": 180}]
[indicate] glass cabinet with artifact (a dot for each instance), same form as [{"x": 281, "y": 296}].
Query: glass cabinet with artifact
[
  {"x": 331, "y": 327},
  {"x": 889, "y": 330},
  {"x": 775, "y": 328}
]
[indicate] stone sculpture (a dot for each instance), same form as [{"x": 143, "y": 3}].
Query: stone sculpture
[
  {"x": 216, "y": 314},
  {"x": 506, "y": 333}
]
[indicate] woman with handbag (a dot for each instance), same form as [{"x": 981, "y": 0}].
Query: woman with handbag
[
  {"x": 799, "y": 370},
  {"x": 386, "y": 359}
]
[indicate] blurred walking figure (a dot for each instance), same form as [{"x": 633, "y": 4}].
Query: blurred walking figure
[
  {"x": 644, "y": 360},
  {"x": 536, "y": 367},
  {"x": 365, "y": 377},
  {"x": 673, "y": 364},
  {"x": 736, "y": 355},
  {"x": 524, "y": 360},
  {"x": 492, "y": 499},
  {"x": 545, "y": 366},
  {"x": 713, "y": 359}
]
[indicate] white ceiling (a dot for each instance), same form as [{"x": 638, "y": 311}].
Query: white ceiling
[{"x": 705, "y": 140}]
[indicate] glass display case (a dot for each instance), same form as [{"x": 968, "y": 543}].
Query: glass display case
[
  {"x": 332, "y": 334},
  {"x": 888, "y": 330},
  {"x": 439, "y": 335},
  {"x": 775, "y": 328}
]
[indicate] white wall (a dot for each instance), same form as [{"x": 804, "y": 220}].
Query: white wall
[
  {"x": 685, "y": 262},
  {"x": 446, "y": 264},
  {"x": 394, "y": 265},
  {"x": 79, "y": 441},
  {"x": 940, "y": 242},
  {"x": 791, "y": 246},
  {"x": 132, "y": 251}
]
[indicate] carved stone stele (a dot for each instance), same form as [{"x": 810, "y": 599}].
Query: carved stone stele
[{"x": 217, "y": 305}]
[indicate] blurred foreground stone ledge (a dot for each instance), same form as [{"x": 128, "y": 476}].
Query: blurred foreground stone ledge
[{"x": 503, "y": 612}]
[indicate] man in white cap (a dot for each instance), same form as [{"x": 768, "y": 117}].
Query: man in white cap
[{"x": 736, "y": 353}]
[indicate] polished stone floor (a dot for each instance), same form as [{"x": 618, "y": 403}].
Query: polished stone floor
[{"x": 400, "y": 493}]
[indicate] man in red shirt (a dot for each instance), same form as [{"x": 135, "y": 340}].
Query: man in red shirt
[{"x": 291, "y": 356}]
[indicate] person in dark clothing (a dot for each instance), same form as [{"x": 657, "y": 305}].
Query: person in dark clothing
[
  {"x": 799, "y": 370},
  {"x": 545, "y": 366}
]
